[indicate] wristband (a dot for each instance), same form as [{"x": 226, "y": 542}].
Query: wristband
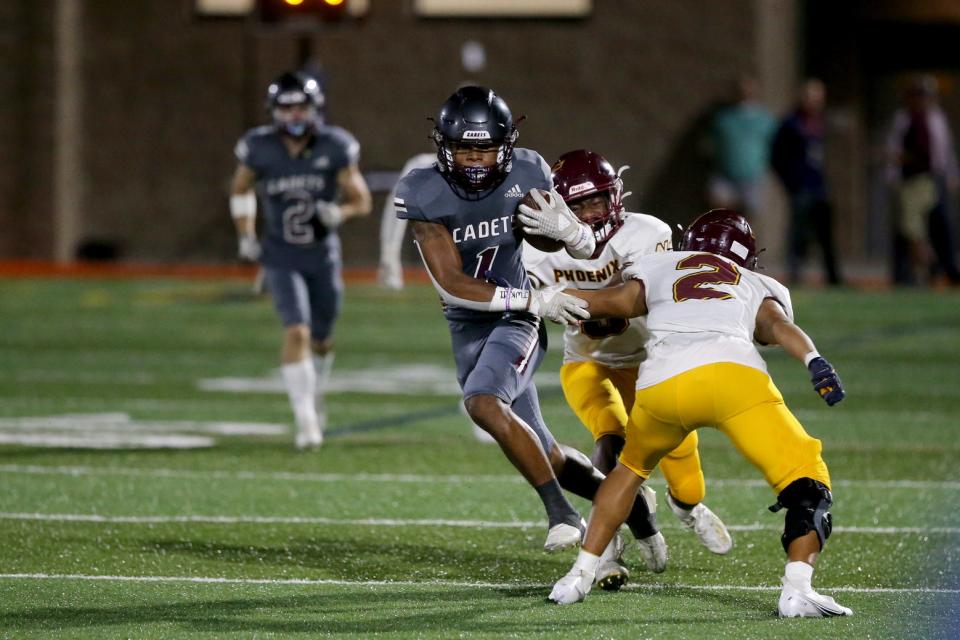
[
  {"x": 810, "y": 357},
  {"x": 243, "y": 205},
  {"x": 509, "y": 299}
]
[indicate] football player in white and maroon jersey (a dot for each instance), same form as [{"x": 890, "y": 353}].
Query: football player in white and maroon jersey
[
  {"x": 705, "y": 308},
  {"x": 601, "y": 357}
]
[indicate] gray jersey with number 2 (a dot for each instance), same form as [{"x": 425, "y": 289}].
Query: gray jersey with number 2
[{"x": 288, "y": 188}]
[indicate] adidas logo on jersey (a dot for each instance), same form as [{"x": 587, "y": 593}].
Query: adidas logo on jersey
[{"x": 514, "y": 192}]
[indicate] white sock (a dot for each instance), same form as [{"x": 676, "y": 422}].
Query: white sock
[
  {"x": 799, "y": 574},
  {"x": 587, "y": 562},
  {"x": 323, "y": 365},
  {"x": 300, "y": 379}
]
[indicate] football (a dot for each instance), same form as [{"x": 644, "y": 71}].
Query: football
[{"x": 541, "y": 243}]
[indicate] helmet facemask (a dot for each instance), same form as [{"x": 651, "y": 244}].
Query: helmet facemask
[
  {"x": 295, "y": 101},
  {"x": 607, "y": 221},
  {"x": 474, "y": 178},
  {"x": 593, "y": 190},
  {"x": 474, "y": 117},
  {"x": 294, "y": 121}
]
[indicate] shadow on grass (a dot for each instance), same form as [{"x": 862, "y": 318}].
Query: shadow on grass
[
  {"x": 377, "y": 558},
  {"x": 384, "y": 609}
]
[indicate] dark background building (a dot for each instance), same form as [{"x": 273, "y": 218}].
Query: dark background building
[{"x": 118, "y": 118}]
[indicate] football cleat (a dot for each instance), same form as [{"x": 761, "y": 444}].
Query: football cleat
[
  {"x": 702, "y": 521},
  {"x": 611, "y": 573},
  {"x": 653, "y": 550},
  {"x": 309, "y": 432},
  {"x": 562, "y": 536},
  {"x": 807, "y": 603},
  {"x": 572, "y": 588}
]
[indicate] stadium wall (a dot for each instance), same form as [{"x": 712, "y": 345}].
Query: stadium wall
[{"x": 165, "y": 95}]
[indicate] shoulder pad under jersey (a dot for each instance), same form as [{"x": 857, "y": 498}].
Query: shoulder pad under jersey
[
  {"x": 778, "y": 292},
  {"x": 249, "y": 147},
  {"x": 420, "y": 195},
  {"x": 348, "y": 149},
  {"x": 642, "y": 234},
  {"x": 531, "y": 165}
]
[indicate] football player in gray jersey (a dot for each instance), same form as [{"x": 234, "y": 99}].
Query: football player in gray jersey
[
  {"x": 305, "y": 175},
  {"x": 461, "y": 211}
]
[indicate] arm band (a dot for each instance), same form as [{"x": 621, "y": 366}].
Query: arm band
[
  {"x": 392, "y": 230},
  {"x": 582, "y": 245},
  {"x": 807, "y": 359},
  {"x": 510, "y": 299},
  {"x": 243, "y": 205}
]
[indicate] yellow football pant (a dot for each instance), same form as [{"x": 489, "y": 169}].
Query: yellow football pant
[
  {"x": 603, "y": 396},
  {"x": 743, "y": 403}
]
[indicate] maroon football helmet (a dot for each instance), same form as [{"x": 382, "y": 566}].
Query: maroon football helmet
[
  {"x": 723, "y": 232},
  {"x": 582, "y": 174}
]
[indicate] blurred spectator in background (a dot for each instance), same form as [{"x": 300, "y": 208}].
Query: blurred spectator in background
[
  {"x": 392, "y": 229},
  {"x": 798, "y": 160},
  {"x": 308, "y": 180},
  {"x": 739, "y": 143},
  {"x": 922, "y": 173}
]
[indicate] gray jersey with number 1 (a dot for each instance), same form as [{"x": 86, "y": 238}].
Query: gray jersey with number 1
[{"x": 481, "y": 228}]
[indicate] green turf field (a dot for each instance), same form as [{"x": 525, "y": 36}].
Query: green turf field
[{"x": 403, "y": 526}]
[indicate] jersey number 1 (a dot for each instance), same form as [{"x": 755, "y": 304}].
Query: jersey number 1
[{"x": 485, "y": 261}]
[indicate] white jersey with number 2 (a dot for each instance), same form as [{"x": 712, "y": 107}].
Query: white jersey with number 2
[{"x": 702, "y": 309}]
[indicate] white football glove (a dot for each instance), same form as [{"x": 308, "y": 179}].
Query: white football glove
[
  {"x": 248, "y": 248},
  {"x": 554, "y": 219},
  {"x": 330, "y": 214},
  {"x": 390, "y": 275},
  {"x": 551, "y": 303}
]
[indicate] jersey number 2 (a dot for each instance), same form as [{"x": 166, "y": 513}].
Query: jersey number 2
[
  {"x": 694, "y": 286},
  {"x": 297, "y": 218}
]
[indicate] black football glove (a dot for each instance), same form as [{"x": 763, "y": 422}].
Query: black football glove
[{"x": 825, "y": 380}]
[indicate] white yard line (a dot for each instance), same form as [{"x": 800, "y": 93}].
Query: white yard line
[
  {"x": 206, "y": 519},
  {"x": 107, "y": 440},
  {"x": 401, "y": 522},
  {"x": 433, "y": 583},
  {"x": 77, "y": 471},
  {"x": 57, "y": 424}
]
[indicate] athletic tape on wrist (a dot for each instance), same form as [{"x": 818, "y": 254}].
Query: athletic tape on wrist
[
  {"x": 243, "y": 205},
  {"x": 810, "y": 357},
  {"x": 509, "y": 299}
]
